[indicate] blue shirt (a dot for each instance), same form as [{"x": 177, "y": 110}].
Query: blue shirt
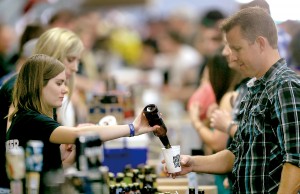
[{"x": 269, "y": 131}]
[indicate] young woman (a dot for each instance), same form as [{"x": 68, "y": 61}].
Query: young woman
[{"x": 39, "y": 89}]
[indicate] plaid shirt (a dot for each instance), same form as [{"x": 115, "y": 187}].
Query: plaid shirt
[{"x": 268, "y": 134}]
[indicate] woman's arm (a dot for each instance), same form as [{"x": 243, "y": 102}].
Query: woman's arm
[
  {"x": 213, "y": 138},
  {"x": 68, "y": 135}
]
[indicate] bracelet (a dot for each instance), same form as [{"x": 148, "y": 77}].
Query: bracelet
[
  {"x": 230, "y": 126},
  {"x": 132, "y": 130}
]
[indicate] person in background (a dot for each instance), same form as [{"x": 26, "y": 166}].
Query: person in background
[
  {"x": 65, "y": 46},
  {"x": 39, "y": 89},
  {"x": 63, "y": 18},
  {"x": 26, "y": 44},
  {"x": 264, "y": 155},
  {"x": 208, "y": 43},
  {"x": 294, "y": 49},
  {"x": 7, "y": 38},
  {"x": 179, "y": 63},
  {"x": 222, "y": 80},
  {"x": 224, "y": 120}
]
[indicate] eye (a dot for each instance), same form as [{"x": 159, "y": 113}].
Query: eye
[
  {"x": 70, "y": 60},
  {"x": 59, "y": 83},
  {"x": 236, "y": 49}
]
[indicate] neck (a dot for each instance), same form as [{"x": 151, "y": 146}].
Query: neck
[{"x": 270, "y": 59}]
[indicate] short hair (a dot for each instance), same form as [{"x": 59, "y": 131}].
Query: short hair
[
  {"x": 211, "y": 18},
  {"x": 60, "y": 43},
  {"x": 253, "y": 22},
  {"x": 64, "y": 15},
  {"x": 257, "y": 3},
  {"x": 32, "y": 78}
]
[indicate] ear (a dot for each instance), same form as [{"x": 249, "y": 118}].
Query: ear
[{"x": 262, "y": 42}]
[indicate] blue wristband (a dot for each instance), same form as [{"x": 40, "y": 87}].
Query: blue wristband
[{"x": 132, "y": 130}]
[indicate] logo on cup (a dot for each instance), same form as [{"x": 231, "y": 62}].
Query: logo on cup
[{"x": 176, "y": 161}]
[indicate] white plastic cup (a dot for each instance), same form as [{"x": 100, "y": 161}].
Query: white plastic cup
[{"x": 172, "y": 158}]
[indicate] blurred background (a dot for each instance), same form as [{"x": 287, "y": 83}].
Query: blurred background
[{"x": 139, "y": 51}]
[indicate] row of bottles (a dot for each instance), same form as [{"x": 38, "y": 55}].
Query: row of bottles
[
  {"x": 134, "y": 180},
  {"x": 140, "y": 180},
  {"x": 192, "y": 190}
]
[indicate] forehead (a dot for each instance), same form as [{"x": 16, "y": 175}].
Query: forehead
[
  {"x": 234, "y": 36},
  {"x": 233, "y": 33},
  {"x": 60, "y": 76}
]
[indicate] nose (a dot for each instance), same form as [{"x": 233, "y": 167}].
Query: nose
[
  {"x": 226, "y": 51},
  {"x": 233, "y": 57},
  {"x": 65, "y": 89},
  {"x": 74, "y": 66}
]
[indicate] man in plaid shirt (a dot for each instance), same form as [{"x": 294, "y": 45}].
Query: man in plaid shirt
[{"x": 265, "y": 153}]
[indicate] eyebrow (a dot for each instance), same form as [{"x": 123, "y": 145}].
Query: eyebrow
[{"x": 58, "y": 79}]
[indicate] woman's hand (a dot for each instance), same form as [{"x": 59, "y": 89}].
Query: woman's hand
[
  {"x": 220, "y": 119},
  {"x": 142, "y": 126},
  {"x": 68, "y": 153}
]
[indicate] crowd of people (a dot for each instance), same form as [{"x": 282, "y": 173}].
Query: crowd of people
[{"x": 236, "y": 76}]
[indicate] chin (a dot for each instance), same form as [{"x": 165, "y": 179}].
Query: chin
[{"x": 58, "y": 105}]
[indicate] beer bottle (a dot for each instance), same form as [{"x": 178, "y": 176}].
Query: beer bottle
[
  {"x": 15, "y": 166},
  {"x": 192, "y": 190},
  {"x": 136, "y": 188},
  {"x": 135, "y": 173},
  {"x": 34, "y": 164},
  {"x": 153, "y": 116},
  {"x": 112, "y": 189},
  {"x": 112, "y": 180}
]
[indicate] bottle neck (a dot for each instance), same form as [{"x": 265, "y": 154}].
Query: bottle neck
[{"x": 165, "y": 141}]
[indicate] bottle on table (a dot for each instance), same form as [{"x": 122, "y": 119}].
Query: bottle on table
[
  {"x": 15, "y": 167},
  {"x": 34, "y": 164},
  {"x": 192, "y": 190}
]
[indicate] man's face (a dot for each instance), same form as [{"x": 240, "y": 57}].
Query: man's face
[
  {"x": 226, "y": 52},
  {"x": 244, "y": 55}
]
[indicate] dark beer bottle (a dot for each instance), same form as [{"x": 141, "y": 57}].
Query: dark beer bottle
[
  {"x": 192, "y": 190},
  {"x": 153, "y": 116}
]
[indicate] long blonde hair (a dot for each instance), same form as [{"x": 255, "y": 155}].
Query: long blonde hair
[
  {"x": 60, "y": 43},
  {"x": 33, "y": 77}
]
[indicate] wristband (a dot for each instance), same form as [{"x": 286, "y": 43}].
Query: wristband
[
  {"x": 132, "y": 130},
  {"x": 230, "y": 126}
]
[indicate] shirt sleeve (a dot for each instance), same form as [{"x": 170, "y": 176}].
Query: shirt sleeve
[
  {"x": 43, "y": 127},
  {"x": 288, "y": 132}
]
